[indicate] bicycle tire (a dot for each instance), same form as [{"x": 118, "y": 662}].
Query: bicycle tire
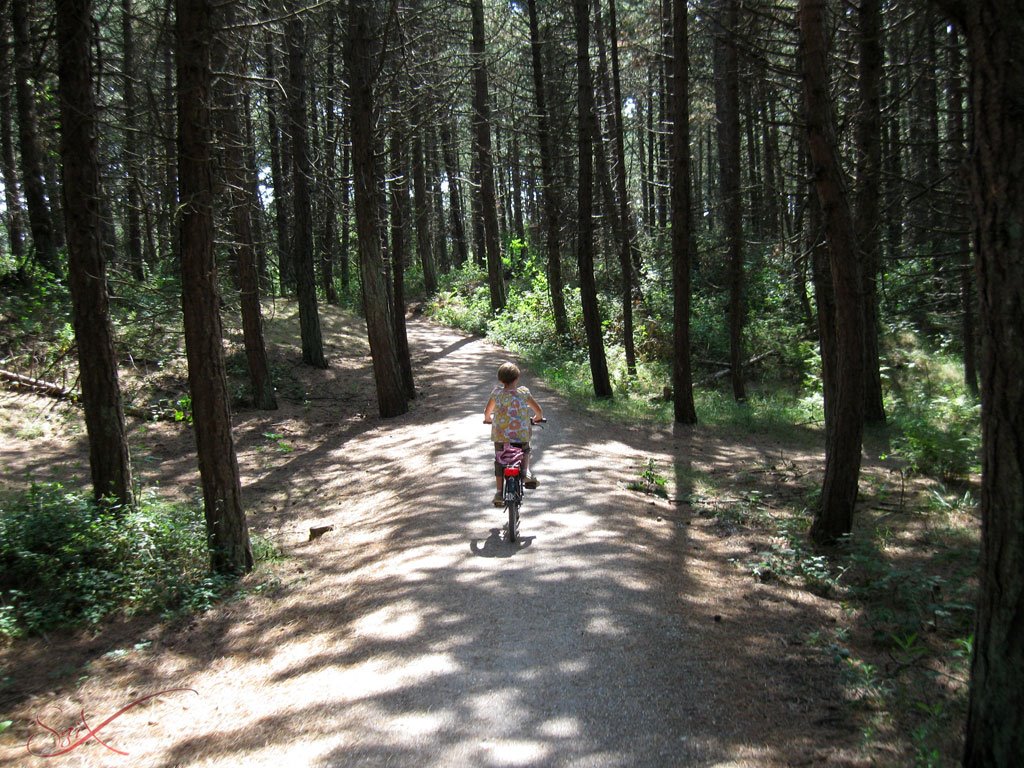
[
  {"x": 513, "y": 497},
  {"x": 513, "y": 520}
]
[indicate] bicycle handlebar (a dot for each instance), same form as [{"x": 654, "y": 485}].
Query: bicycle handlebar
[{"x": 535, "y": 423}]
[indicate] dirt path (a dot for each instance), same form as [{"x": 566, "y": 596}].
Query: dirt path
[{"x": 615, "y": 634}]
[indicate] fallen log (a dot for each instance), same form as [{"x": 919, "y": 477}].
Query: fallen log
[
  {"x": 51, "y": 389},
  {"x": 722, "y": 374},
  {"x": 38, "y": 385}
]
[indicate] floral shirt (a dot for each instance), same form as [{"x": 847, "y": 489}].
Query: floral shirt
[{"x": 511, "y": 415}]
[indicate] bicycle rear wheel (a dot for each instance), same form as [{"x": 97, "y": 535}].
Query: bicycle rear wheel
[
  {"x": 513, "y": 497},
  {"x": 513, "y": 520}
]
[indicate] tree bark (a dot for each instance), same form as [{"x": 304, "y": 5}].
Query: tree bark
[
  {"x": 552, "y": 222},
  {"x": 240, "y": 206},
  {"x": 345, "y": 201},
  {"x": 39, "y": 216},
  {"x": 727, "y": 111},
  {"x": 629, "y": 248},
  {"x": 960, "y": 212},
  {"x": 424, "y": 242},
  {"x": 329, "y": 240},
  {"x": 360, "y": 59},
  {"x": 868, "y": 141},
  {"x": 131, "y": 165},
  {"x": 226, "y": 529},
  {"x": 587, "y": 122},
  {"x": 302, "y": 215},
  {"x": 995, "y": 715},
  {"x": 398, "y": 187},
  {"x": 451, "y": 171},
  {"x": 13, "y": 213},
  {"x": 485, "y": 164},
  {"x": 101, "y": 394},
  {"x": 612, "y": 212},
  {"x": 169, "y": 217},
  {"x": 684, "y": 411},
  {"x": 834, "y": 518},
  {"x": 441, "y": 252},
  {"x": 278, "y": 174}
]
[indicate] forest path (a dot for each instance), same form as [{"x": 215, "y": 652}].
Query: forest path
[{"x": 616, "y": 633}]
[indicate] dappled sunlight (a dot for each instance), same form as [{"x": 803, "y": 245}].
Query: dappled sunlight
[
  {"x": 414, "y": 633},
  {"x": 393, "y": 622}
]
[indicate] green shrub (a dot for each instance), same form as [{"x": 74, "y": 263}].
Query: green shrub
[
  {"x": 462, "y": 299},
  {"x": 940, "y": 438},
  {"x": 66, "y": 561}
]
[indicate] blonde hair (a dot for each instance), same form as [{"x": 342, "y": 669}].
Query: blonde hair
[{"x": 508, "y": 372}]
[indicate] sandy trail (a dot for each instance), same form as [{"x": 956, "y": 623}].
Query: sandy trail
[{"x": 614, "y": 634}]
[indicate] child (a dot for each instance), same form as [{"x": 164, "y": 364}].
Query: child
[{"x": 507, "y": 413}]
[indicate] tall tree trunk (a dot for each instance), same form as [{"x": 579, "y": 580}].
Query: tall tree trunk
[
  {"x": 253, "y": 193},
  {"x": 834, "y": 518},
  {"x": 32, "y": 173},
  {"x": 552, "y": 222},
  {"x": 662, "y": 192},
  {"x": 398, "y": 187},
  {"x": 642, "y": 141},
  {"x": 517, "y": 188},
  {"x": 13, "y": 212},
  {"x": 485, "y": 166},
  {"x": 727, "y": 111},
  {"x": 302, "y": 172},
  {"x": 444, "y": 262},
  {"x": 868, "y": 140},
  {"x": 451, "y": 171},
  {"x": 995, "y": 714},
  {"x": 345, "y": 200},
  {"x": 169, "y": 217},
  {"x": 960, "y": 212},
  {"x": 360, "y": 60},
  {"x": 278, "y": 174},
  {"x": 329, "y": 243},
  {"x": 613, "y": 203},
  {"x": 684, "y": 411},
  {"x": 629, "y": 249},
  {"x": 240, "y": 205},
  {"x": 227, "y": 532},
  {"x": 424, "y": 241},
  {"x": 587, "y": 122},
  {"x": 893, "y": 186},
  {"x": 476, "y": 213},
  {"x": 101, "y": 394},
  {"x": 825, "y": 301},
  {"x": 131, "y": 165}
]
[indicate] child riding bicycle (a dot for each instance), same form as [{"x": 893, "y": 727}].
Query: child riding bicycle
[{"x": 507, "y": 411}]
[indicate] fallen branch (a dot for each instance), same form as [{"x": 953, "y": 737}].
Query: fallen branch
[
  {"x": 722, "y": 374},
  {"x": 38, "y": 385},
  {"x": 42, "y": 387}
]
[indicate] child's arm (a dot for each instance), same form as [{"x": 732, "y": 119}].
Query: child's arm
[
  {"x": 489, "y": 411},
  {"x": 538, "y": 412}
]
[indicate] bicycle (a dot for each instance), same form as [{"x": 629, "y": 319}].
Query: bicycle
[{"x": 510, "y": 459}]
